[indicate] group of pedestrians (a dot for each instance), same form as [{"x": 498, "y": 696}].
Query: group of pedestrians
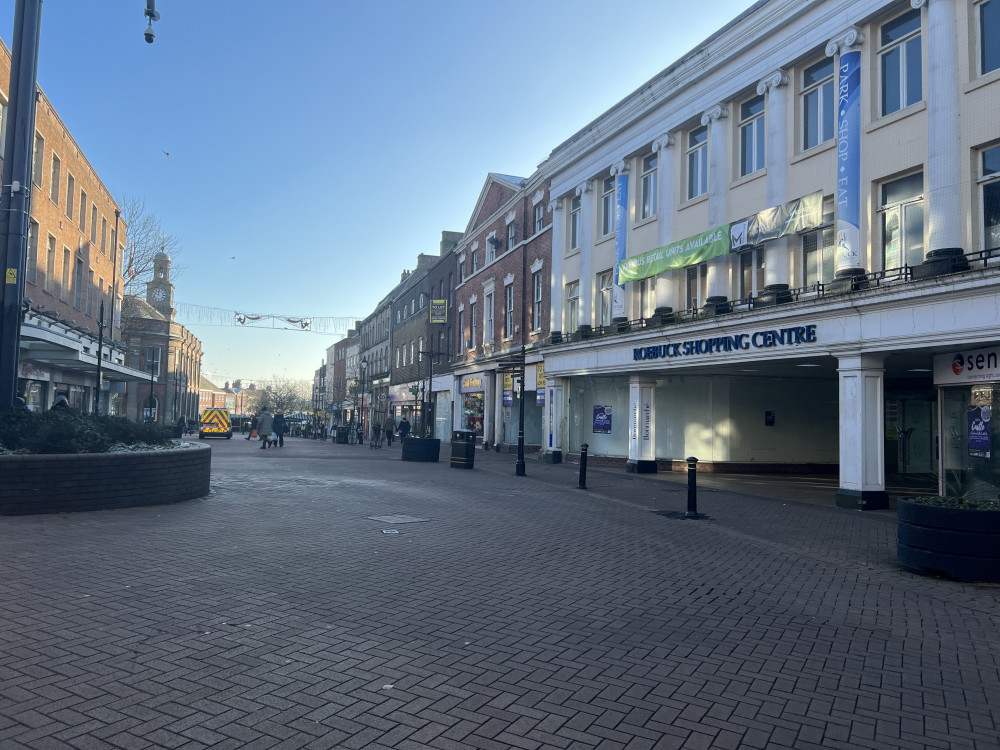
[
  {"x": 270, "y": 429},
  {"x": 389, "y": 427}
]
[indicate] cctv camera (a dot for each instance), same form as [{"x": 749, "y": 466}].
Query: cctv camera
[{"x": 149, "y": 34}]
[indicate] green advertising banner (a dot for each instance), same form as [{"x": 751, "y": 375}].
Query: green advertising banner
[{"x": 687, "y": 252}]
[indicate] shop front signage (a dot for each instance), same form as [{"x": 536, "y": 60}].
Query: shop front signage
[
  {"x": 770, "y": 339},
  {"x": 472, "y": 384},
  {"x": 975, "y": 366}
]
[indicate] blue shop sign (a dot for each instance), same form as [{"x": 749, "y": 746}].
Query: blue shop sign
[{"x": 719, "y": 344}]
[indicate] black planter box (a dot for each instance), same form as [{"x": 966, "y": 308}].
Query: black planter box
[
  {"x": 959, "y": 543},
  {"x": 421, "y": 449}
]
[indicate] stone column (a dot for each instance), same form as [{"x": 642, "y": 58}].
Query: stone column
[
  {"x": 556, "y": 282},
  {"x": 849, "y": 261},
  {"x": 943, "y": 215},
  {"x": 641, "y": 425},
  {"x": 586, "y": 233},
  {"x": 777, "y": 266},
  {"x": 666, "y": 285},
  {"x": 862, "y": 432},
  {"x": 718, "y": 192}
]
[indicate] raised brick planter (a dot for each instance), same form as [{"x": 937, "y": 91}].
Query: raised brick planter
[{"x": 101, "y": 481}]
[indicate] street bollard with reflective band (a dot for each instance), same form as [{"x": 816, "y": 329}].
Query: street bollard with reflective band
[
  {"x": 692, "y": 511},
  {"x": 583, "y": 466}
]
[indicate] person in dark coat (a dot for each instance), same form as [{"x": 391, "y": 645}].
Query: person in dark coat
[
  {"x": 404, "y": 428},
  {"x": 253, "y": 426},
  {"x": 265, "y": 426},
  {"x": 280, "y": 428}
]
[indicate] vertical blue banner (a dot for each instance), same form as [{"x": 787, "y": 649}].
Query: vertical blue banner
[
  {"x": 849, "y": 162},
  {"x": 621, "y": 236}
]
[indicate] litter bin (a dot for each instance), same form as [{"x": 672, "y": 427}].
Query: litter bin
[
  {"x": 342, "y": 436},
  {"x": 463, "y": 449}
]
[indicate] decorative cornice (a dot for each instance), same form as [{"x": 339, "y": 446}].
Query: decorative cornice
[
  {"x": 537, "y": 265},
  {"x": 665, "y": 141},
  {"x": 918, "y": 3},
  {"x": 489, "y": 285},
  {"x": 461, "y": 307},
  {"x": 537, "y": 197},
  {"x": 508, "y": 279},
  {"x": 619, "y": 167},
  {"x": 555, "y": 204},
  {"x": 718, "y": 112},
  {"x": 473, "y": 299},
  {"x": 583, "y": 187},
  {"x": 772, "y": 81},
  {"x": 510, "y": 217},
  {"x": 845, "y": 40},
  {"x": 475, "y": 246}
]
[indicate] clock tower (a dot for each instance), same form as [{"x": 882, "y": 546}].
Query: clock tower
[{"x": 159, "y": 291}]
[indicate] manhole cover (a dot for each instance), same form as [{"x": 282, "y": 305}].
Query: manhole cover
[{"x": 397, "y": 519}]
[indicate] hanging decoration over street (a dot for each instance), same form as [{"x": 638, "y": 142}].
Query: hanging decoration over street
[{"x": 216, "y": 316}]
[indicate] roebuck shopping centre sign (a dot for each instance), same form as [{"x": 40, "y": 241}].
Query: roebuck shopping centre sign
[{"x": 769, "y": 339}]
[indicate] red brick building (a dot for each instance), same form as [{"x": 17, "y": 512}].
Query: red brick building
[{"x": 502, "y": 293}]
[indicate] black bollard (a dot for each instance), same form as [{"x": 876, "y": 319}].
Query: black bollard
[
  {"x": 692, "y": 511},
  {"x": 583, "y": 466}
]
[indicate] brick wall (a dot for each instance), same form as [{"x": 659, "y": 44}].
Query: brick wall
[{"x": 65, "y": 483}]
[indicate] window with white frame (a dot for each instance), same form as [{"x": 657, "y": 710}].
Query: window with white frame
[
  {"x": 461, "y": 332},
  {"x": 572, "y": 306},
  {"x": 903, "y": 221},
  {"x": 818, "y": 259},
  {"x": 693, "y": 284},
  {"x": 647, "y": 297},
  {"x": 475, "y": 262},
  {"x": 752, "y": 135},
  {"x": 420, "y": 349},
  {"x": 104, "y": 236},
  {"x": 472, "y": 324},
  {"x": 539, "y": 217},
  {"x": 90, "y": 292},
  {"x": 899, "y": 57},
  {"x": 488, "y": 319},
  {"x": 574, "y": 223},
  {"x": 153, "y": 360},
  {"x": 413, "y": 352},
  {"x": 536, "y": 307},
  {"x": 67, "y": 271},
  {"x": 422, "y": 300},
  {"x": 37, "y": 159},
  {"x": 54, "y": 181},
  {"x": 511, "y": 235},
  {"x": 31, "y": 269},
  {"x": 461, "y": 270},
  {"x": 817, "y": 104},
  {"x": 491, "y": 252},
  {"x": 989, "y": 36},
  {"x": 648, "y": 186},
  {"x": 751, "y": 272},
  {"x": 508, "y": 318},
  {"x": 990, "y": 180},
  {"x": 605, "y": 281},
  {"x": 50, "y": 265},
  {"x": 697, "y": 162},
  {"x": 608, "y": 204}
]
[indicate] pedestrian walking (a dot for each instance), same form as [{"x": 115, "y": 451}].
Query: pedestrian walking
[
  {"x": 389, "y": 426},
  {"x": 404, "y": 428},
  {"x": 265, "y": 426},
  {"x": 279, "y": 428},
  {"x": 253, "y": 427}
]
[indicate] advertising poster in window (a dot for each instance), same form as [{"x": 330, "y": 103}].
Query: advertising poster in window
[
  {"x": 439, "y": 311},
  {"x": 979, "y": 431},
  {"x": 540, "y": 384},
  {"x": 508, "y": 389},
  {"x": 602, "y": 420}
]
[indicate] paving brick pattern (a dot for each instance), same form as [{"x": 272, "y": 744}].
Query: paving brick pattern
[{"x": 523, "y": 613}]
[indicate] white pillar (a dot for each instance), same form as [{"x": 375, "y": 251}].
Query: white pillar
[
  {"x": 943, "y": 212},
  {"x": 586, "y": 233},
  {"x": 556, "y": 282},
  {"x": 718, "y": 191},
  {"x": 665, "y": 286},
  {"x": 642, "y": 425},
  {"x": 777, "y": 267},
  {"x": 862, "y": 433},
  {"x": 552, "y": 420}
]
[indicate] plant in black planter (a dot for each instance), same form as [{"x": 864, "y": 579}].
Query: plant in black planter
[{"x": 957, "y": 535}]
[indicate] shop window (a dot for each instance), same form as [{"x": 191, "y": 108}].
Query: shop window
[
  {"x": 604, "y": 290},
  {"x": 752, "y": 136},
  {"x": 900, "y": 62},
  {"x": 817, "y": 104},
  {"x": 648, "y": 187},
  {"x": 574, "y": 223},
  {"x": 989, "y": 36},
  {"x": 472, "y": 412},
  {"x": 990, "y": 180},
  {"x": 572, "y": 306},
  {"x": 697, "y": 162},
  {"x": 608, "y": 204},
  {"x": 903, "y": 222}
]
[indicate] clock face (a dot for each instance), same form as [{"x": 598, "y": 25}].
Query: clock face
[{"x": 159, "y": 295}]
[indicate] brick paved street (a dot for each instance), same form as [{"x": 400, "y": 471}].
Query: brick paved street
[{"x": 506, "y": 612}]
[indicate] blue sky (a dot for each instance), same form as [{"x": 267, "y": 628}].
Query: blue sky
[{"x": 325, "y": 144}]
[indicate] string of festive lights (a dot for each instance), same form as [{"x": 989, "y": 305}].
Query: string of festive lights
[{"x": 217, "y": 316}]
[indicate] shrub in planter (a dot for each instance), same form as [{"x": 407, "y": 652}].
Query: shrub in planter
[
  {"x": 954, "y": 536},
  {"x": 69, "y": 431}
]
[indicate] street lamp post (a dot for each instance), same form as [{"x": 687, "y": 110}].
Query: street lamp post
[
  {"x": 151, "y": 418},
  {"x": 100, "y": 356},
  {"x": 361, "y": 414}
]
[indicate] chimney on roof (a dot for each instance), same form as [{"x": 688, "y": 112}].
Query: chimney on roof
[
  {"x": 403, "y": 276},
  {"x": 449, "y": 241}
]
